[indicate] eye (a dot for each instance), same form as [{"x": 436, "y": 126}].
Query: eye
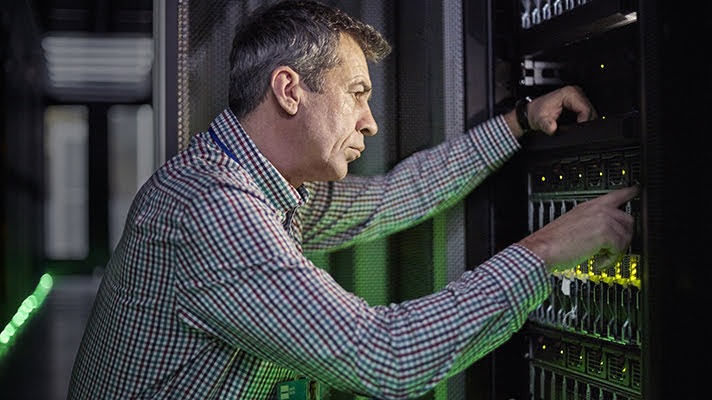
[
  {"x": 361, "y": 93},
  {"x": 358, "y": 96}
]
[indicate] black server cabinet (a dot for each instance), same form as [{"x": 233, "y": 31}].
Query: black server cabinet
[{"x": 636, "y": 330}]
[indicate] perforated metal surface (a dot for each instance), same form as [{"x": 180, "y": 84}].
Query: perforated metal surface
[{"x": 205, "y": 31}]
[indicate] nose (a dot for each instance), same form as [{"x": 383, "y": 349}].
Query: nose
[{"x": 367, "y": 124}]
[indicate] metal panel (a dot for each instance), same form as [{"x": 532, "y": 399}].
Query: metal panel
[
  {"x": 449, "y": 227},
  {"x": 165, "y": 119}
]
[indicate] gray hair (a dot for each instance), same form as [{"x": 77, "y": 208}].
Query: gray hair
[{"x": 302, "y": 35}]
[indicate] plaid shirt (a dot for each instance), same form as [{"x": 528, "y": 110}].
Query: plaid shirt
[{"x": 208, "y": 293}]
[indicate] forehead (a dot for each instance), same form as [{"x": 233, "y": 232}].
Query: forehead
[{"x": 353, "y": 62}]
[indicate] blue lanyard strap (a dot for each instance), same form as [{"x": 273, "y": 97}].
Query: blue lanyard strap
[{"x": 222, "y": 145}]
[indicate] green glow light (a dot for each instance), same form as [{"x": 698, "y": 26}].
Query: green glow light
[
  {"x": 46, "y": 281},
  {"x": 27, "y": 306},
  {"x": 30, "y": 304},
  {"x": 19, "y": 318},
  {"x": 4, "y": 338}
]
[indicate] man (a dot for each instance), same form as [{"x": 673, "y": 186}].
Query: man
[{"x": 208, "y": 294}]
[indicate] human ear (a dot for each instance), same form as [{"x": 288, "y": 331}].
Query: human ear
[{"x": 285, "y": 87}]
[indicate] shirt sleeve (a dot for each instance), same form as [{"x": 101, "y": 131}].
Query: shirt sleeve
[
  {"x": 364, "y": 208},
  {"x": 240, "y": 278}
]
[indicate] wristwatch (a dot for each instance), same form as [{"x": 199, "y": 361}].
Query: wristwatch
[{"x": 521, "y": 112}]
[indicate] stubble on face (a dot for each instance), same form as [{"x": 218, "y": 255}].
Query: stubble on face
[{"x": 331, "y": 131}]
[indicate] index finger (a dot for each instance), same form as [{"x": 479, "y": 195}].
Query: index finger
[{"x": 620, "y": 196}]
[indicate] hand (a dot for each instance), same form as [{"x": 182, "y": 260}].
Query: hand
[
  {"x": 543, "y": 111},
  {"x": 595, "y": 227}
]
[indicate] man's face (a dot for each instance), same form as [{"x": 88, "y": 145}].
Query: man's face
[{"x": 336, "y": 120}]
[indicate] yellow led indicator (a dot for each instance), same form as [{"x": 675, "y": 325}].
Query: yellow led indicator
[
  {"x": 561, "y": 177},
  {"x": 580, "y": 175},
  {"x": 623, "y": 172},
  {"x": 634, "y": 269},
  {"x": 602, "y": 66},
  {"x": 603, "y": 117},
  {"x": 562, "y": 352},
  {"x": 600, "y": 173},
  {"x": 543, "y": 347},
  {"x": 543, "y": 178}
]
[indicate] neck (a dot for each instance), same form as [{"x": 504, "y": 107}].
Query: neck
[{"x": 270, "y": 131}]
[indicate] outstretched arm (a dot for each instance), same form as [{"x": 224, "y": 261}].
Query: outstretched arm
[
  {"x": 363, "y": 208},
  {"x": 243, "y": 281}
]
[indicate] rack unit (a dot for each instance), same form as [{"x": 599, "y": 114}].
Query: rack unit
[
  {"x": 585, "y": 340},
  {"x": 634, "y": 331}
]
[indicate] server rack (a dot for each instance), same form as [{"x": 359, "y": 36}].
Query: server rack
[{"x": 632, "y": 331}]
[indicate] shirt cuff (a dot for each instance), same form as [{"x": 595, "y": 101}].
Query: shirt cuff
[{"x": 494, "y": 141}]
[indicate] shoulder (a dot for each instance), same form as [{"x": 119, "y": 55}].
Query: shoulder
[{"x": 200, "y": 173}]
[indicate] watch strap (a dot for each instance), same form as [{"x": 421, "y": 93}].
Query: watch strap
[{"x": 522, "y": 115}]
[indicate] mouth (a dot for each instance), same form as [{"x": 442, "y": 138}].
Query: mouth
[{"x": 357, "y": 150}]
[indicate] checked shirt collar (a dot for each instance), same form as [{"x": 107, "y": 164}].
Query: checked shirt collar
[{"x": 283, "y": 196}]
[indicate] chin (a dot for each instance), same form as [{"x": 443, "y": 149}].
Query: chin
[
  {"x": 336, "y": 174},
  {"x": 336, "y": 177}
]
